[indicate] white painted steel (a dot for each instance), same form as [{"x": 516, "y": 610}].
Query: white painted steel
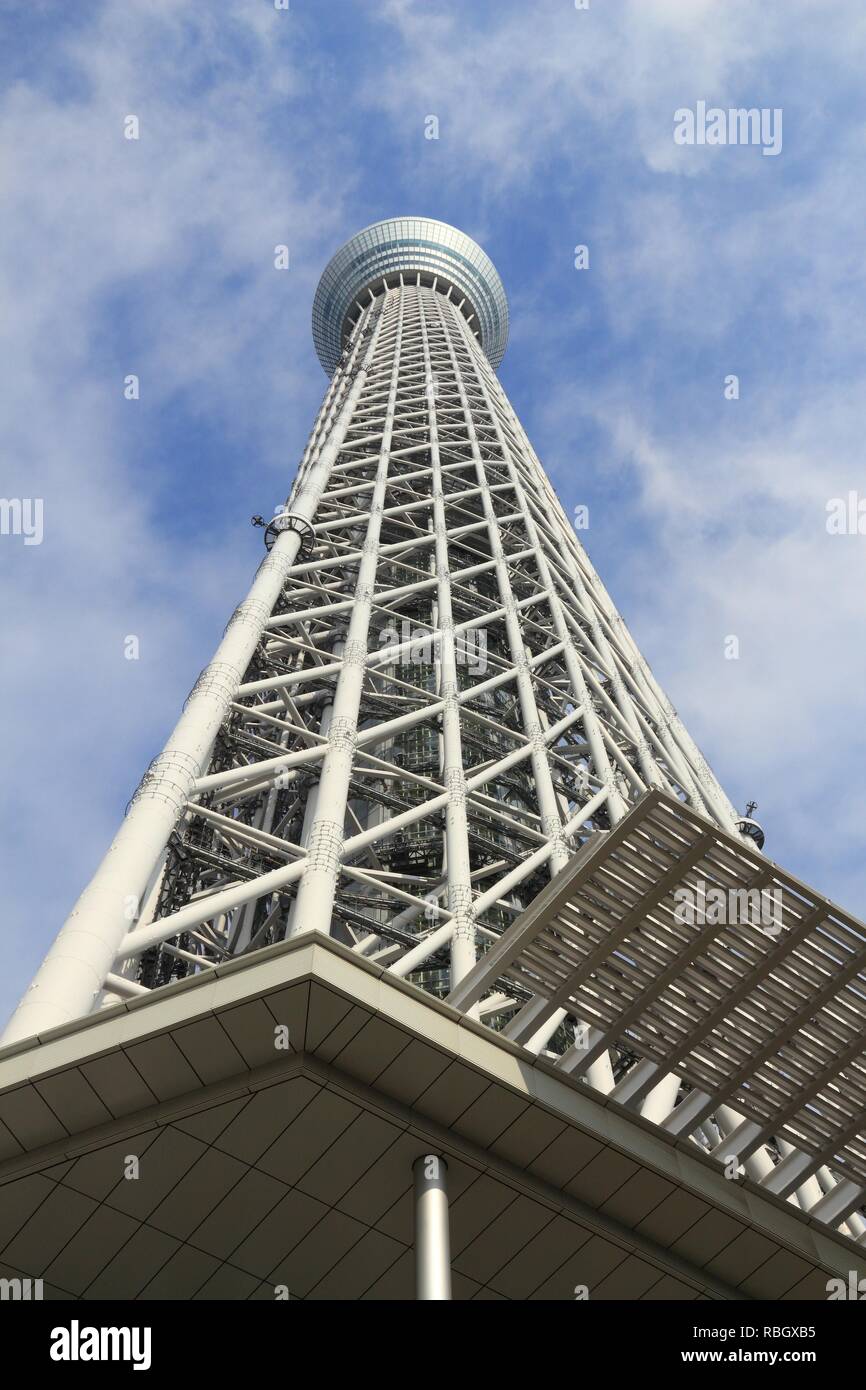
[
  {"x": 432, "y": 1236},
  {"x": 325, "y": 776}
]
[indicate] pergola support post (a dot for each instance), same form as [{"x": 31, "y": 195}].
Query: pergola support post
[{"x": 432, "y": 1238}]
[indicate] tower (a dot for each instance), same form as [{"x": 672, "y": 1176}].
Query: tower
[
  {"x": 426, "y": 701},
  {"x": 394, "y": 909}
]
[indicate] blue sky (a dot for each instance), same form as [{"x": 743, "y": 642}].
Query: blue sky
[{"x": 260, "y": 127}]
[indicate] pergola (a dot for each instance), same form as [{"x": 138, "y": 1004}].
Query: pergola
[{"x": 281, "y": 1109}]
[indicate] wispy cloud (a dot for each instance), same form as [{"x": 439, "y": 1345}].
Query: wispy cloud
[
  {"x": 708, "y": 515},
  {"x": 152, "y": 257},
  {"x": 259, "y": 127}
]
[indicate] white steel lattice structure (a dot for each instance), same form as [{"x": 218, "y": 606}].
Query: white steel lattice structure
[{"x": 424, "y": 707}]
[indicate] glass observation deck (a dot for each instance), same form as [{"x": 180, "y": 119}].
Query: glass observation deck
[{"x": 416, "y": 246}]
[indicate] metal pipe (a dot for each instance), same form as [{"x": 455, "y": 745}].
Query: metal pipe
[{"x": 432, "y": 1237}]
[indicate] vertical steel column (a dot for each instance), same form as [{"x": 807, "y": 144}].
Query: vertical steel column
[
  {"x": 73, "y": 972},
  {"x": 705, "y": 785},
  {"x": 550, "y": 819},
  {"x": 458, "y": 867},
  {"x": 548, "y": 810},
  {"x": 315, "y": 901},
  {"x": 432, "y": 1237},
  {"x": 592, "y": 725}
]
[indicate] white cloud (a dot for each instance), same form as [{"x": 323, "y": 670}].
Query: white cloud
[
  {"x": 155, "y": 257},
  {"x": 705, "y": 261},
  {"x": 152, "y": 257}
]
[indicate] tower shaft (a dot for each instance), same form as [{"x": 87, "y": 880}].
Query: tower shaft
[{"x": 425, "y": 704}]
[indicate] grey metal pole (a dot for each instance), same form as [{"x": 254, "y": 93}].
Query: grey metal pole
[{"x": 432, "y": 1240}]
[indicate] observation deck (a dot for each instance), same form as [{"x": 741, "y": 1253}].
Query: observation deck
[{"x": 436, "y": 253}]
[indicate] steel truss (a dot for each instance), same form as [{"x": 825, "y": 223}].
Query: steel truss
[{"x": 355, "y": 759}]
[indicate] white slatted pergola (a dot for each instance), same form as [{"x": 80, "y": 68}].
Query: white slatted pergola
[{"x": 758, "y": 1016}]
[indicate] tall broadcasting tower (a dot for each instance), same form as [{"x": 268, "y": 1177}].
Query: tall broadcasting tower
[
  {"x": 401, "y": 897},
  {"x": 425, "y": 703}
]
